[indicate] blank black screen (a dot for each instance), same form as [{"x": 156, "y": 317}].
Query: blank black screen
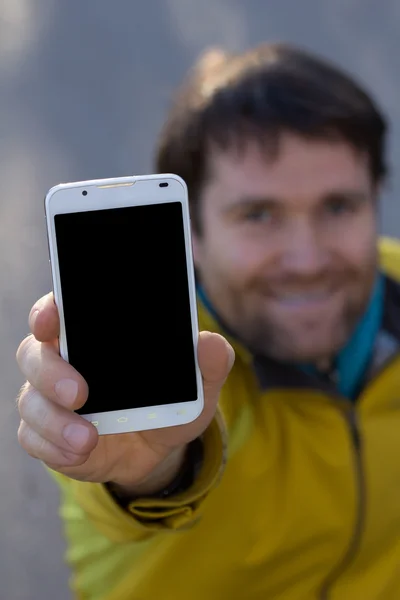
[{"x": 126, "y": 305}]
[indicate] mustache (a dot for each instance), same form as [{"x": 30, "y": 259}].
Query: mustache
[{"x": 298, "y": 285}]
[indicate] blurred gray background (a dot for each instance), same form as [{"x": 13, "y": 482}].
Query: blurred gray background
[{"x": 84, "y": 86}]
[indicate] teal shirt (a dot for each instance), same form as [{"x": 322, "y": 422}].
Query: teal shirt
[{"x": 352, "y": 362}]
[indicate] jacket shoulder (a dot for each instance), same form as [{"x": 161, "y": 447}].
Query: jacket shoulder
[{"x": 389, "y": 257}]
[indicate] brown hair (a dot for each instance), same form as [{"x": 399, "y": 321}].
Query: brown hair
[{"x": 227, "y": 100}]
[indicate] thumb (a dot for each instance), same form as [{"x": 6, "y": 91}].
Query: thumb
[{"x": 216, "y": 357}]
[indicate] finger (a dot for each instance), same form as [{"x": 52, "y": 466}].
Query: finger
[
  {"x": 64, "y": 429},
  {"x": 43, "y": 319},
  {"x": 216, "y": 357},
  {"x": 51, "y": 375},
  {"x": 42, "y": 449}
]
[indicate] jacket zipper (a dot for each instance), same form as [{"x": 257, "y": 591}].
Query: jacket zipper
[{"x": 332, "y": 578}]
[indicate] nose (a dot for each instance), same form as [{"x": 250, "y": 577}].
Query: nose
[{"x": 303, "y": 251}]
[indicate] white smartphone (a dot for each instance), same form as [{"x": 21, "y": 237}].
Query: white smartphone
[{"x": 123, "y": 279}]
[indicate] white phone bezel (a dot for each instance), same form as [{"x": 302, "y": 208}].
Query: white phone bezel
[{"x": 116, "y": 193}]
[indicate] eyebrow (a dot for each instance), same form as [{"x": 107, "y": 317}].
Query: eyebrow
[
  {"x": 273, "y": 202},
  {"x": 353, "y": 195},
  {"x": 252, "y": 202}
]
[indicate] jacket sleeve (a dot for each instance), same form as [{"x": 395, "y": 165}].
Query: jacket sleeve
[{"x": 147, "y": 516}]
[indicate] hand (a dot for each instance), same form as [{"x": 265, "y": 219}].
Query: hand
[{"x": 51, "y": 431}]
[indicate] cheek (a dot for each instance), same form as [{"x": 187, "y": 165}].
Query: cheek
[
  {"x": 358, "y": 246},
  {"x": 229, "y": 259},
  {"x": 243, "y": 259}
]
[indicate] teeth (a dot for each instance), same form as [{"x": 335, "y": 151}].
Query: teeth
[{"x": 303, "y": 297}]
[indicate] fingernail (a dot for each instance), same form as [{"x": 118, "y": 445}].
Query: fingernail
[
  {"x": 231, "y": 358},
  {"x": 67, "y": 391},
  {"x": 76, "y": 435}
]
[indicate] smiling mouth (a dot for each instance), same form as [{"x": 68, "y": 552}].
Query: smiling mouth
[{"x": 304, "y": 299}]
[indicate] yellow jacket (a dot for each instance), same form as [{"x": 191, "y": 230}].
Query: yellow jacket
[{"x": 290, "y": 504}]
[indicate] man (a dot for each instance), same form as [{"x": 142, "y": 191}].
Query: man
[{"x": 290, "y": 489}]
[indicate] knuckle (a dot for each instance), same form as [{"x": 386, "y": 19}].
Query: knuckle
[
  {"x": 25, "y": 439},
  {"x": 24, "y": 398},
  {"x": 75, "y": 460},
  {"x": 41, "y": 447},
  {"x": 39, "y": 413},
  {"x": 22, "y": 391},
  {"x": 23, "y": 350},
  {"x": 43, "y": 418},
  {"x": 34, "y": 409},
  {"x": 33, "y": 444}
]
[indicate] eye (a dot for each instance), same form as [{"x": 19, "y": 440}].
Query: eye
[
  {"x": 257, "y": 215},
  {"x": 340, "y": 206}
]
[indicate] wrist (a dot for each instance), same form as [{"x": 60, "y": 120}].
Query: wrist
[{"x": 159, "y": 478}]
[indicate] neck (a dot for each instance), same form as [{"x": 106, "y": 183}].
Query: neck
[{"x": 324, "y": 365}]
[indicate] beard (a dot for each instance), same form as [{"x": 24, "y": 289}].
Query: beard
[
  {"x": 306, "y": 336},
  {"x": 306, "y": 343}
]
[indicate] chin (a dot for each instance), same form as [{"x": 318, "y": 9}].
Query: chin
[
  {"x": 315, "y": 352},
  {"x": 316, "y": 348}
]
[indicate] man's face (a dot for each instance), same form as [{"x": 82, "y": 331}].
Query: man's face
[{"x": 288, "y": 248}]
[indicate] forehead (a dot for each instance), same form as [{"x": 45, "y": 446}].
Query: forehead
[{"x": 301, "y": 167}]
